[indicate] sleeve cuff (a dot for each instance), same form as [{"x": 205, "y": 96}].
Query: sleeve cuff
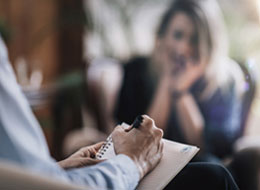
[{"x": 129, "y": 169}]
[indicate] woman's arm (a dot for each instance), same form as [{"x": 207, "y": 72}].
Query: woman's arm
[
  {"x": 161, "y": 104},
  {"x": 188, "y": 113},
  {"x": 190, "y": 119}
]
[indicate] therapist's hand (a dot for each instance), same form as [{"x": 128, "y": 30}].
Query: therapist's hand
[
  {"x": 142, "y": 145},
  {"x": 83, "y": 157}
]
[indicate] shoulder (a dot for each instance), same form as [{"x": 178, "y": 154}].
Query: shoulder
[
  {"x": 137, "y": 64},
  {"x": 223, "y": 79},
  {"x": 137, "y": 72},
  {"x": 234, "y": 83}
]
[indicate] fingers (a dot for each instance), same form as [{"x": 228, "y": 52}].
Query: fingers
[
  {"x": 118, "y": 131},
  {"x": 97, "y": 146},
  {"x": 153, "y": 158},
  {"x": 199, "y": 65},
  {"x": 94, "y": 149},
  {"x": 128, "y": 128},
  {"x": 90, "y": 151},
  {"x": 143, "y": 123},
  {"x": 161, "y": 145},
  {"x": 90, "y": 161},
  {"x": 158, "y": 156},
  {"x": 158, "y": 133},
  {"x": 143, "y": 144},
  {"x": 148, "y": 124}
]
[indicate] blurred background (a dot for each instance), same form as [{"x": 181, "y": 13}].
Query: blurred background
[{"x": 52, "y": 43}]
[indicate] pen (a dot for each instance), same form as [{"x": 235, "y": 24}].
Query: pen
[{"x": 137, "y": 122}]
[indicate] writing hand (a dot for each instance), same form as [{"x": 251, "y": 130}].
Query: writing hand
[{"x": 142, "y": 145}]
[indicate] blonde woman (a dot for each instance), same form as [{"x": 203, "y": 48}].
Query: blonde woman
[{"x": 188, "y": 85}]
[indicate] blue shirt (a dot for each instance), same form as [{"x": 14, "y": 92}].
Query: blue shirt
[{"x": 22, "y": 142}]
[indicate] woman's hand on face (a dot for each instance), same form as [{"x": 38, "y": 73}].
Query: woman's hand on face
[
  {"x": 83, "y": 157},
  {"x": 161, "y": 59},
  {"x": 185, "y": 78},
  {"x": 182, "y": 72}
]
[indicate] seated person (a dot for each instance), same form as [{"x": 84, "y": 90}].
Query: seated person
[
  {"x": 22, "y": 142},
  {"x": 188, "y": 84}
]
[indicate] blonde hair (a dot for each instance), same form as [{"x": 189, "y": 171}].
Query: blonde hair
[
  {"x": 212, "y": 45},
  {"x": 221, "y": 69}
]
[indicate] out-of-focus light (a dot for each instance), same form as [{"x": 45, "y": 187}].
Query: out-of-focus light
[
  {"x": 258, "y": 8},
  {"x": 251, "y": 63}
]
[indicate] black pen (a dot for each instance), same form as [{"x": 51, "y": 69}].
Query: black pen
[{"x": 137, "y": 122}]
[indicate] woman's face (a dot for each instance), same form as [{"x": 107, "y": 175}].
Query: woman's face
[{"x": 180, "y": 40}]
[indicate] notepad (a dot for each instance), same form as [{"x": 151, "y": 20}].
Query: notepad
[{"x": 175, "y": 157}]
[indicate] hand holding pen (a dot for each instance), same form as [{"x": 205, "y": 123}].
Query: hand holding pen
[{"x": 141, "y": 142}]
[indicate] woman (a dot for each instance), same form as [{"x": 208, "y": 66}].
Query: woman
[{"x": 188, "y": 85}]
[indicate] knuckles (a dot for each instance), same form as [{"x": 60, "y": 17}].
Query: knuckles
[
  {"x": 117, "y": 131},
  {"x": 148, "y": 122},
  {"x": 158, "y": 133}
]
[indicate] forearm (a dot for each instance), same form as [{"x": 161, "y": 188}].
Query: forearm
[
  {"x": 190, "y": 119},
  {"x": 117, "y": 173},
  {"x": 161, "y": 104}
]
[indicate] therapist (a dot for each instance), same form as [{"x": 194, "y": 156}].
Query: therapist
[{"x": 22, "y": 142}]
